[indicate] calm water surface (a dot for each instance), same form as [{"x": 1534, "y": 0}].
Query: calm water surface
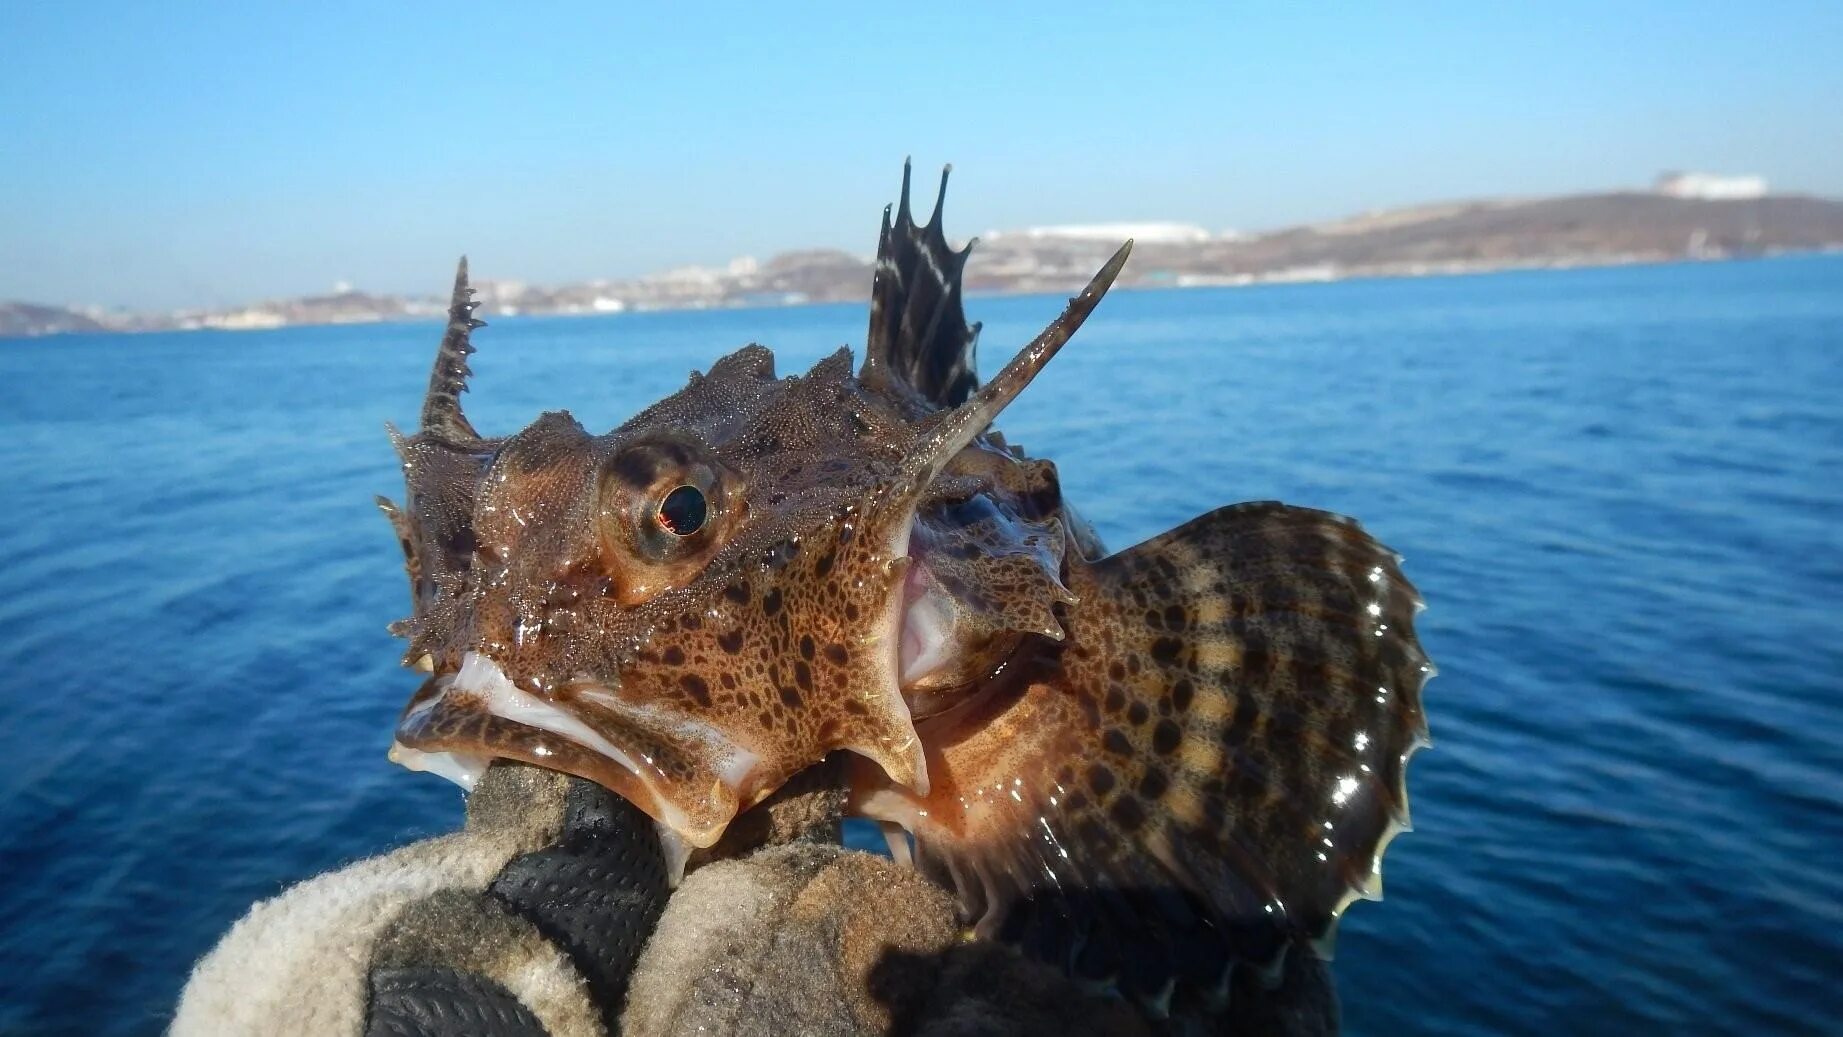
[{"x": 1621, "y": 492}]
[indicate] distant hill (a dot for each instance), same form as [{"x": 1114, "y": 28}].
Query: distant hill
[
  {"x": 1458, "y": 237},
  {"x": 25, "y": 320},
  {"x": 1573, "y": 230},
  {"x": 1452, "y": 238}
]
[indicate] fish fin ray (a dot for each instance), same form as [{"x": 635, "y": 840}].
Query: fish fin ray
[
  {"x": 1226, "y": 729},
  {"x": 441, "y": 407},
  {"x": 919, "y": 336}
]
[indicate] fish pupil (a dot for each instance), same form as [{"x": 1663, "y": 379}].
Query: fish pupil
[{"x": 683, "y": 511}]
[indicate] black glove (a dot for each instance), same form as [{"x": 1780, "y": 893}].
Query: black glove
[
  {"x": 594, "y": 893},
  {"x": 529, "y": 922}
]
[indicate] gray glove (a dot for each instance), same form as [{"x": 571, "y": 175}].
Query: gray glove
[
  {"x": 525, "y": 922},
  {"x": 548, "y": 914}
]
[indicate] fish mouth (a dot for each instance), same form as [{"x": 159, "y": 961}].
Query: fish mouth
[{"x": 459, "y": 722}]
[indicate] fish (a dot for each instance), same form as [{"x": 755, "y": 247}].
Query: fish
[{"x": 1148, "y": 766}]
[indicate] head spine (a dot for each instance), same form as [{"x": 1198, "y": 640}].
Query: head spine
[{"x": 441, "y": 408}]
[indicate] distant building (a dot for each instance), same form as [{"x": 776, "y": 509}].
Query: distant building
[
  {"x": 499, "y": 293},
  {"x": 1160, "y": 233},
  {"x": 251, "y": 319},
  {"x": 1710, "y": 186}
]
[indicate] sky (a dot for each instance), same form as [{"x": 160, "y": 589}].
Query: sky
[{"x": 184, "y": 154}]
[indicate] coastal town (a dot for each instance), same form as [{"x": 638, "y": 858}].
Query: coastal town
[{"x": 1684, "y": 216}]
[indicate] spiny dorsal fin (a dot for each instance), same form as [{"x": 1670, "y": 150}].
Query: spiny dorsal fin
[
  {"x": 441, "y": 409},
  {"x": 918, "y": 331}
]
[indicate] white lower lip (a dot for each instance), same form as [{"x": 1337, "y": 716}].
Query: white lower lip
[
  {"x": 482, "y": 678},
  {"x": 464, "y": 769}
]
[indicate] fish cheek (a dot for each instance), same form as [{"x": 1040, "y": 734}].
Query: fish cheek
[
  {"x": 834, "y": 609},
  {"x": 777, "y": 667}
]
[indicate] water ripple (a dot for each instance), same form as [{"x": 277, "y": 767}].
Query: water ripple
[{"x": 1619, "y": 491}]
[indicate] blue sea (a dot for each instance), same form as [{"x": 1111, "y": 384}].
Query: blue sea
[{"x": 1620, "y": 491}]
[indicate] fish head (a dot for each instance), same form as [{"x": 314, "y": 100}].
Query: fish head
[{"x": 746, "y": 576}]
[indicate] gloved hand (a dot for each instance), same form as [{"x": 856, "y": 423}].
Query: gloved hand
[
  {"x": 526, "y": 922},
  {"x": 548, "y": 913}
]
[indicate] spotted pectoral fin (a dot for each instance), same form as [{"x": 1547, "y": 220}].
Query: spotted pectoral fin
[{"x": 1214, "y": 758}]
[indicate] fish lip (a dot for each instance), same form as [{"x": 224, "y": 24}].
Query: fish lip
[
  {"x": 560, "y": 740},
  {"x": 464, "y": 769}
]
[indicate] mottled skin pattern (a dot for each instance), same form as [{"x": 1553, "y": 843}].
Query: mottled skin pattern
[
  {"x": 766, "y": 632},
  {"x": 564, "y": 624},
  {"x": 1235, "y": 733},
  {"x": 1147, "y": 765}
]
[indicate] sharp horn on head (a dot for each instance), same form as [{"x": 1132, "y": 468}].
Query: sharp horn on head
[
  {"x": 965, "y": 422},
  {"x": 441, "y": 409}
]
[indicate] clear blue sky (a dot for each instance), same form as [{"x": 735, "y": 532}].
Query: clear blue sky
[{"x": 158, "y": 155}]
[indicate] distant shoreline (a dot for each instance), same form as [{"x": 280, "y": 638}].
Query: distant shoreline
[
  {"x": 1460, "y": 239},
  {"x": 1361, "y": 274}
]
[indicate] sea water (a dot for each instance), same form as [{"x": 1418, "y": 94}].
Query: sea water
[{"x": 1620, "y": 491}]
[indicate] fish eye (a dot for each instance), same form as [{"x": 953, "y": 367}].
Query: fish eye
[
  {"x": 662, "y": 510},
  {"x": 683, "y": 511}
]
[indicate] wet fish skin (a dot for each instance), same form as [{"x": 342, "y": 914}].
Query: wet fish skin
[{"x": 1199, "y": 742}]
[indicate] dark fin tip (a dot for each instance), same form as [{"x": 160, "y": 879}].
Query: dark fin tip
[
  {"x": 940, "y": 201},
  {"x": 918, "y": 337},
  {"x": 904, "y": 216}
]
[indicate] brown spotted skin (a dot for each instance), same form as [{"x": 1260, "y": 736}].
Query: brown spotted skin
[
  {"x": 1229, "y": 716},
  {"x": 763, "y": 633},
  {"x": 693, "y": 668},
  {"x": 1146, "y": 765}
]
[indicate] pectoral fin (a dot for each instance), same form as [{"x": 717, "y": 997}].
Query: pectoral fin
[{"x": 1206, "y": 770}]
